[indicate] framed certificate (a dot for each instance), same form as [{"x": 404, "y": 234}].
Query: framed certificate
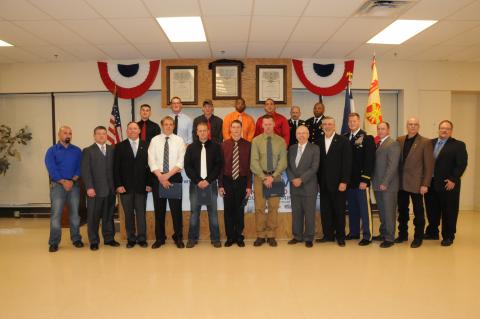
[
  {"x": 182, "y": 81},
  {"x": 271, "y": 83},
  {"x": 226, "y": 81}
]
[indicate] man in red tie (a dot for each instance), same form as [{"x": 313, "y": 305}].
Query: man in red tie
[
  {"x": 214, "y": 123},
  {"x": 148, "y": 129},
  {"x": 281, "y": 127}
]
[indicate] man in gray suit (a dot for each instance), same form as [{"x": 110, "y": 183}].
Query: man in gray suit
[
  {"x": 385, "y": 183},
  {"x": 97, "y": 174},
  {"x": 303, "y": 162}
]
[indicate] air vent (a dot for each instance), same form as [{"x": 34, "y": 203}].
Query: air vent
[{"x": 384, "y": 8}]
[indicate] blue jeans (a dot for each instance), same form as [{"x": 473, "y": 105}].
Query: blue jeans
[
  {"x": 58, "y": 197},
  {"x": 193, "y": 231}
]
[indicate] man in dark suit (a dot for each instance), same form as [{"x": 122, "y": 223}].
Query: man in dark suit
[
  {"x": 333, "y": 176},
  {"x": 314, "y": 123},
  {"x": 97, "y": 174},
  {"x": 303, "y": 162},
  {"x": 363, "y": 159},
  {"x": 442, "y": 199},
  {"x": 214, "y": 123},
  {"x": 148, "y": 129},
  {"x": 294, "y": 122},
  {"x": 132, "y": 182}
]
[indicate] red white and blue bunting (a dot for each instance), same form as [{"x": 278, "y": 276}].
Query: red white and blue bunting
[
  {"x": 323, "y": 79},
  {"x": 128, "y": 80}
]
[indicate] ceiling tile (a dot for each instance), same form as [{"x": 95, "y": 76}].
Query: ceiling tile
[
  {"x": 286, "y": 8},
  {"x": 15, "y": 35},
  {"x": 51, "y": 31},
  {"x": 438, "y": 53},
  {"x": 66, "y": 9},
  {"x": 360, "y": 29},
  {"x": 433, "y": 9},
  {"x": 271, "y": 29},
  {"x": 443, "y": 31},
  {"x": 20, "y": 10},
  {"x": 406, "y": 50},
  {"x": 337, "y": 49},
  {"x": 20, "y": 55},
  {"x": 173, "y": 8},
  {"x": 332, "y": 8},
  {"x": 470, "y": 37},
  {"x": 232, "y": 49},
  {"x": 192, "y": 50},
  {"x": 156, "y": 51},
  {"x": 219, "y": 29},
  {"x": 264, "y": 49},
  {"x": 467, "y": 54},
  {"x": 86, "y": 52},
  {"x": 470, "y": 12},
  {"x": 300, "y": 49},
  {"x": 367, "y": 50},
  {"x": 4, "y": 59},
  {"x": 96, "y": 31},
  {"x": 51, "y": 53},
  {"x": 142, "y": 30},
  {"x": 311, "y": 29},
  {"x": 120, "y": 9},
  {"x": 224, "y": 8},
  {"x": 121, "y": 51}
]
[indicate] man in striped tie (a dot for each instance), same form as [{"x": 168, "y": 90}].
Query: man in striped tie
[{"x": 235, "y": 183}]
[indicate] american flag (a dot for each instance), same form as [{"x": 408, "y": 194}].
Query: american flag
[{"x": 114, "y": 135}]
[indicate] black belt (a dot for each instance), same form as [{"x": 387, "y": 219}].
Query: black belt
[{"x": 268, "y": 173}]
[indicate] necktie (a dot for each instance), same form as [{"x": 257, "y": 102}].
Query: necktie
[
  {"x": 299, "y": 155},
  {"x": 203, "y": 162},
  {"x": 104, "y": 150},
  {"x": 175, "y": 129},
  {"x": 438, "y": 148},
  {"x": 135, "y": 148},
  {"x": 235, "y": 162},
  {"x": 269, "y": 154},
  {"x": 166, "y": 156},
  {"x": 143, "y": 134},
  {"x": 351, "y": 137}
]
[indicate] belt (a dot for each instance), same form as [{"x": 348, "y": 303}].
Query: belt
[{"x": 268, "y": 173}]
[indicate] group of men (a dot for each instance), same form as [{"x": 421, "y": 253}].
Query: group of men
[{"x": 228, "y": 157}]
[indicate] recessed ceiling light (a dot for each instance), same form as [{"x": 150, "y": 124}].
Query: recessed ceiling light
[
  {"x": 400, "y": 31},
  {"x": 5, "y": 44},
  {"x": 183, "y": 29}
]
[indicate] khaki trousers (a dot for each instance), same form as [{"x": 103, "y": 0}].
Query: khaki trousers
[{"x": 265, "y": 223}]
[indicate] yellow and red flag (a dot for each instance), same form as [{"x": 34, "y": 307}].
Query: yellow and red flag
[{"x": 373, "y": 111}]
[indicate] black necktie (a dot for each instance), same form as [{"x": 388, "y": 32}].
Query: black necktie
[{"x": 175, "y": 129}]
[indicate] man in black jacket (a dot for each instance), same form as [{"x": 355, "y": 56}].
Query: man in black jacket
[
  {"x": 148, "y": 129},
  {"x": 314, "y": 123},
  {"x": 333, "y": 177},
  {"x": 363, "y": 159},
  {"x": 214, "y": 123},
  {"x": 203, "y": 163},
  {"x": 132, "y": 182},
  {"x": 294, "y": 122},
  {"x": 443, "y": 196}
]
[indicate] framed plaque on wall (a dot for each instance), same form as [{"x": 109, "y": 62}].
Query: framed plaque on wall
[
  {"x": 182, "y": 81},
  {"x": 271, "y": 83}
]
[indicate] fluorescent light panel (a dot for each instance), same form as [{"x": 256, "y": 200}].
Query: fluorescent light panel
[
  {"x": 400, "y": 31},
  {"x": 183, "y": 29},
  {"x": 5, "y": 44}
]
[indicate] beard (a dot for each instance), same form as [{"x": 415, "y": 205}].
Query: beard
[{"x": 67, "y": 140}]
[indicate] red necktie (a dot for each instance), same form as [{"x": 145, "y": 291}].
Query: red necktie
[{"x": 143, "y": 135}]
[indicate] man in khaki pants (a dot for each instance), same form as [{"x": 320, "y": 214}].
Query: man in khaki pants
[{"x": 268, "y": 161}]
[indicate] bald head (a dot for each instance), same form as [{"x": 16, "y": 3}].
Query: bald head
[
  {"x": 413, "y": 126},
  {"x": 295, "y": 113},
  {"x": 65, "y": 134}
]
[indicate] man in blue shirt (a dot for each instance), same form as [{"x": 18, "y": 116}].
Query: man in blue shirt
[{"x": 63, "y": 164}]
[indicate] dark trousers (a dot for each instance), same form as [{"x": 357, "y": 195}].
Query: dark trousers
[
  {"x": 234, "y": 207},
  {"x": 359, "y": 209},
  {"x": 100, "y": 208},
  {"x": 403, "y": 214},
  {"x": 160, "y": 207},
  {"x": 332, "y": 213},
  {"x": 134, "y": 209},
  {"x": 442, "y": 205}
]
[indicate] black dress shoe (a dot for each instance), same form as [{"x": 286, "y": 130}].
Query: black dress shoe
[
  {"x": 179, "y": 244},
  {"x": 431, "y": 237},
  {"x": 94, "y": 247},
  {"x": 364, "y": 242},
  {"x": 216, "y": 244},
  {"x": 158, "y": 244},
  {"x": 386, "y": 244},
  {"x": 378, "y": 238},
  {"x": 228, "y": 243},
  {"x": 294, "y": 241},
  {"x": 341, "y": 243},
  {"x": 308, "y": 244},
  {"x": 130, "y": 244},
  {"x": 143, "y": 244},
  {"x": 400, "y": 239},
  {"x": 416, "y": 243},
  {"x": 191, "y": 243},
  {"x": 351, "y": 237},
  {"x": 78, "y": 244},
  {"x": 53, "y": 248},
  {"x": 240, "y": 243},
  {"x": 446, "y": 242},
  {"x": 272, "y": 242},
  {"x": 324, "y": 240},
  {"x": 259, "y": 242},
  {"x": 112, "y": 243}
]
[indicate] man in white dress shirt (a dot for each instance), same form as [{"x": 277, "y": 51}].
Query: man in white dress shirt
[{"x": 183, "y": 123}]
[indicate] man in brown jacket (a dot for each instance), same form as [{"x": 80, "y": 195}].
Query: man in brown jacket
[{"x": 416, "y": 169}]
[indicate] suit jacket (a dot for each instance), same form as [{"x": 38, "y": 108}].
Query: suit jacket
[
  {"x": 387, "y": 158},
  {"x": 363, "y": 158},
  {"x": 336, "y": 166},
  {"x": 97, "y": 170},
  {"x": 215, "y": 128},
  {"x": 316, "y": 131},
  {"x": 450, "y": 164},
  {"x": 192, "y": 163},
  {"x": 417, "y": 169},
  {"x": 131, "y": 171},
  {"x": 153, "y": 129},
  {"x": 307, "y": 169},
  {"x": 293, "y": 133}
]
